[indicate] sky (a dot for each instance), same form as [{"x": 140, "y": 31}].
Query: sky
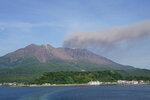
[{"x": 23, "y": 22}]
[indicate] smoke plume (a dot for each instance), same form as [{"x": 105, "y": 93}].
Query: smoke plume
[{"x": 108, "y": 36}]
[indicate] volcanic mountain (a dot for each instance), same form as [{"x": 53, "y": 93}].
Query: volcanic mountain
[
  {"x": 27, "y": 63},
  {"x": 46, "y": 53}
]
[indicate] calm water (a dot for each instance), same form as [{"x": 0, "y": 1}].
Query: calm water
[{"x": 114, "y": 92}]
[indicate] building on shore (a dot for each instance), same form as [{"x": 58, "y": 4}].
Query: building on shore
[
  {"x": 94, "y": 83},
  {"x": 132, "y": 82}
]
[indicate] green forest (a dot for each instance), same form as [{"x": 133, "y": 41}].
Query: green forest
[
  {"x": 83, "y": 77},
  {"x": 77, "y": 77}
]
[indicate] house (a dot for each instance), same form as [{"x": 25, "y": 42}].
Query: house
[{"x": 94, "y": 83}]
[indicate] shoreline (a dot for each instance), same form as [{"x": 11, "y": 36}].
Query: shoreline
[{"x": 82, "y": 85}]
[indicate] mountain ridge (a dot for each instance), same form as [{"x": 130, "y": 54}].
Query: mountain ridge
[
  {"x": 27, "y": 63},
  {"x": 45, "y": 52}
]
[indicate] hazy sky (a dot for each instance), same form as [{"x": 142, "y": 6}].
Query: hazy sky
[{"x": 23, "y": 22}]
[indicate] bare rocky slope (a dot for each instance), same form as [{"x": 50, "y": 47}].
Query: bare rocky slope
[{"x": 44, "y": 53}]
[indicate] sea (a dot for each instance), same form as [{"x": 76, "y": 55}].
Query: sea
[{"x": 103, "y": 92}]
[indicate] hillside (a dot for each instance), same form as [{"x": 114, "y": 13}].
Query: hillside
[
  {"x": 45, "y": 53},
  {"x": 84, "y": 77},
  {"x": 77, "y": 77},
  {"x": 27, "y": 63}
]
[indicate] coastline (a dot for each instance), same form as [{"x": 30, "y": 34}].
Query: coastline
[{"x": 85, "y": 84}]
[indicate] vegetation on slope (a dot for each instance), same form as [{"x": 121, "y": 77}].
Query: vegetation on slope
[
  {"x": 77, "y": 77},
  {"x": 83, "y": 77},
  {"x": 31, "y": 69}
]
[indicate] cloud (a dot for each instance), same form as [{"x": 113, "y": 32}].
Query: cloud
[{"x": 108, "y": 36}]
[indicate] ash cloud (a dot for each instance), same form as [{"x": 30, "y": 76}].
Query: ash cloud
[{"x": 107, "y": 36}]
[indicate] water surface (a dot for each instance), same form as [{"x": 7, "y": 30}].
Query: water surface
[{"x": 114, "y": 92}]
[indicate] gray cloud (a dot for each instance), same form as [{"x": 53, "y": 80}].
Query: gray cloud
[{"x": 108, "y": 36}]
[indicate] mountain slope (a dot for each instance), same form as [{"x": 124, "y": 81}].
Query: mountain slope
[
  {"x": 27, "y": 63},
  {"x": 46, "y": 53}
]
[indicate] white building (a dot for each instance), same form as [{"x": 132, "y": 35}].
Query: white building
[
  {"x": 46, "y": 84},
  {"x": 94, "y": 83},
  {"x": 127, "y": 82}
]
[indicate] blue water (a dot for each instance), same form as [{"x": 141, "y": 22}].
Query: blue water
[{"x": 114, "y": 92}]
